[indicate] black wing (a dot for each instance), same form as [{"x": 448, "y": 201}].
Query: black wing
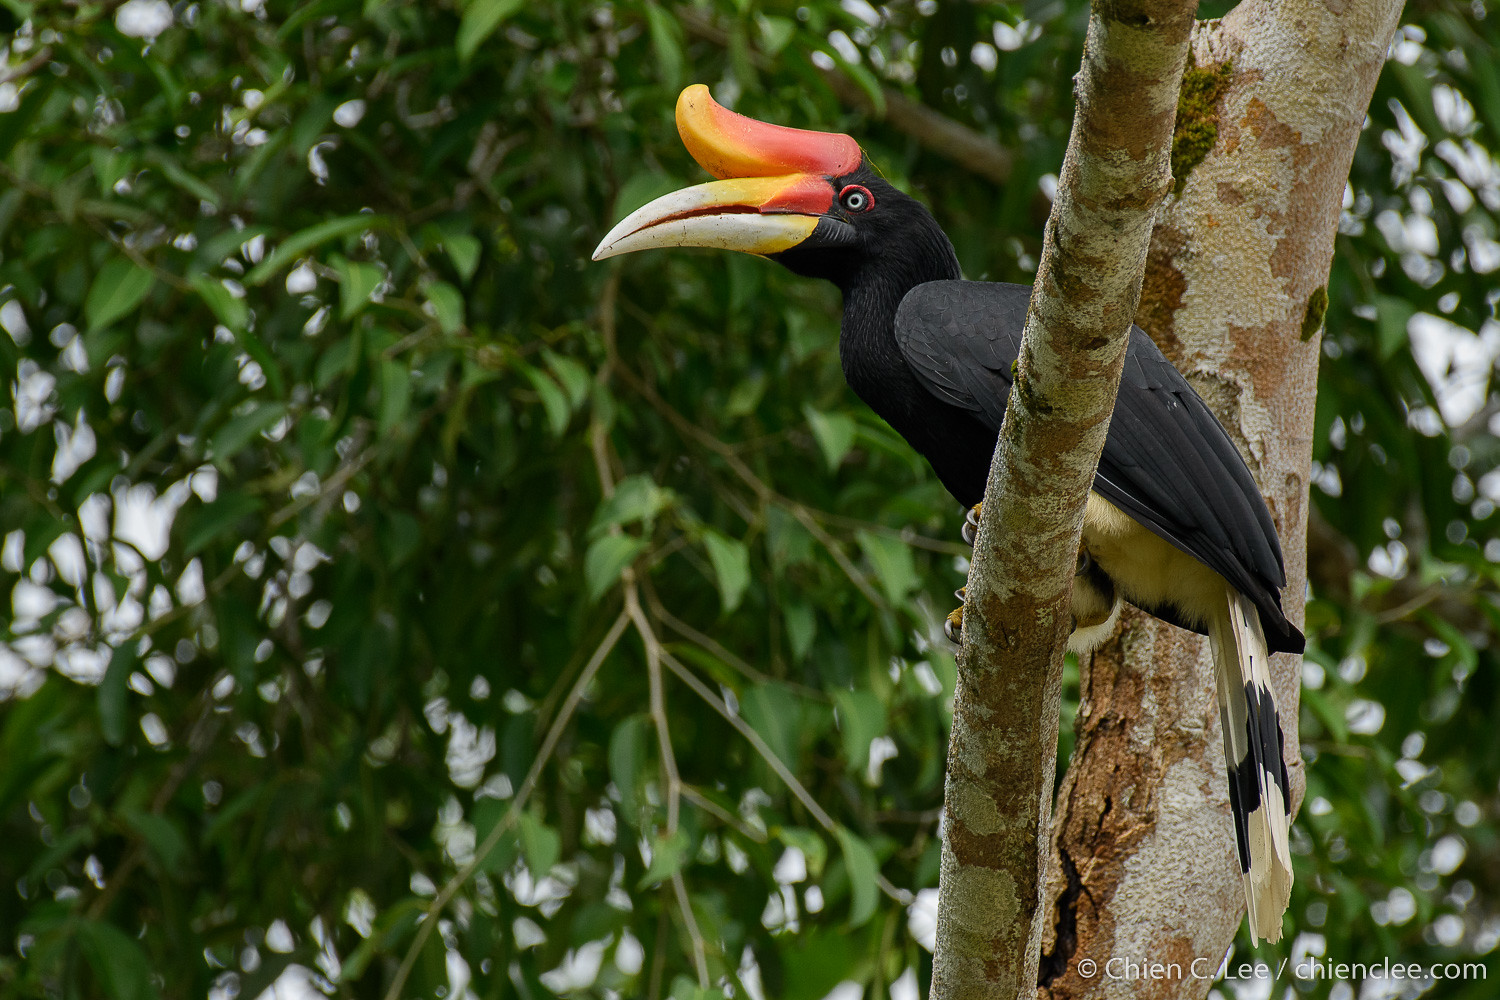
[{"x": 1166, "y": 462}]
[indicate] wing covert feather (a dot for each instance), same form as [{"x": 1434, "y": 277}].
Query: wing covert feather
[{"x": 1167, "y": 462}]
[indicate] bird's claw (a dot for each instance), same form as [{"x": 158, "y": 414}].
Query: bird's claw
[
  {"x": 971, "y": 524},
  {"x": 953, "y": 625}
]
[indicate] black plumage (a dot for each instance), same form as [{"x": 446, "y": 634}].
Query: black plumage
[
  {"x": 932, "y": 355},
  {"x": 1175, "y": 523}
]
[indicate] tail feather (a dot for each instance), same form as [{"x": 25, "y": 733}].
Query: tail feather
[{"x": 1259, "y": 794}]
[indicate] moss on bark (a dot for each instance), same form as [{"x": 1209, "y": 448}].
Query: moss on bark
[{"x": 1197, "y": 127}]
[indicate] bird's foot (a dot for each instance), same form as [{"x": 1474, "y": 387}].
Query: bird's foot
[
  {"x": 953, "y": 625},
  {"x": 971, "y": 524}
]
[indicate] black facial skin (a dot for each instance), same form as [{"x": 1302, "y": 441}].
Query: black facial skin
[
  {"x": 875, "y": 257},
  {"x": 895, "y": 242}
]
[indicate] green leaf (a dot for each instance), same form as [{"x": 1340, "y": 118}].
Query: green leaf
[
  {"x": 1392, "y": 315},
  {"x": 893, "y": 562},
  {"x": 403, "y": 534},
  {"x": 336, "y": 360},
  {"x": 119, "y": 963},
  {"x": 42, "y": 530},
  {"x": 684, "y": 988},
  {"x": 606, "y": 558},
  {"x": 801, "y": 627},
  {"x": 230, "y": 311},
  {"x": 776, "y": 714},
  {"x": 746, "y": 396},
  {"x": 117, "y": 289},
  {"x": 463, "y": 250},
  {"x": 812, "y": 845},
  {"x": 575, "y": 379},
  {"x": 480, "y": 19},
  {"x": 299, "y": 243},
  {"x": 627, "y": 764},
  {"x": 540, "y": 845},
  {"x": 231, "y": 438},
  {"x": 806, "y": 335},
  {"x": 357, "y": 282},
  {"x": 867, "y": 81},
  {"x": 636, "y": 498},
  {"x": 667, "y": 857},
  {"x": 174, "y": 172},
  {"x": 1331, "y": 715},
  {"x": 666, "y": 42},
  {"x": 788, "y": 543},
  {"x": 731, "y": 562},
  {"x": 864, "y": 873},
  {"x": 1459, "y": 646},
  {"x": 486, "y": 813},
  {"x": 447, "y": 306},
  {"x": 834, "y": 433},
  {"x": 395, "y": 395},
  {"x": 646, "y": 186},
  {"x": 775, "y": 32},
  {"x": 112, "y": 696},
  {"x": 861, "y": 719},
  {"x": 161, "y": 835},
  {"x": 109, "y": 166},
  {"x": 554, "y": 400},
  {"x": 199, "y": 527}
]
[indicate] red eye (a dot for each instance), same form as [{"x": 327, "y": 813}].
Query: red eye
[{"x": 856, "y": 198}]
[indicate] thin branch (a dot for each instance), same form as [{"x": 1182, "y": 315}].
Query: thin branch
[
  {"x": 815, "y": 529},
  {"x": 199, "y": 739},
  {"x": 328, "y": 488},
  {"x": 798, "y": 790},
  {"x": 904, "y": 535},
  {"x": 42, "y": 57},
  {"x": 672, "y": 779},
  {"x": 523, "y": 794},
  {"x": 695, "y": 936},
  {"x": 723, "y": 815},
  {"x": 764, "y": 491},
  {"x": 658, "y": 956},
  {"x": 696, "y": 637},
  {"x": 1412, "y": 606}
]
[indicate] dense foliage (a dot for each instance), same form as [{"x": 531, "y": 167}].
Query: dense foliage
[{"x": 371, "y": 554}]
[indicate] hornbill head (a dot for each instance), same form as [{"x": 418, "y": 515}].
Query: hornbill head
[{"x": 806, "y": 199}]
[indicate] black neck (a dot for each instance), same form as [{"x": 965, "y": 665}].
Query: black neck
[
  {"x": 873, "y": 290},
  {"x": 948, "y": 436}
]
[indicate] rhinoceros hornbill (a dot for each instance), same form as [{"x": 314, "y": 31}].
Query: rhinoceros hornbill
[{"x": 1175, "y": 524}]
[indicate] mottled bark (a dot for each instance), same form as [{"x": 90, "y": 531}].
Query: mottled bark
[
  {"x": 1143, "y": 864},
  {"x": 1002, "y": 752}
]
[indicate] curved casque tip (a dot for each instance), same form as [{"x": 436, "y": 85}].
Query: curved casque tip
[{"x": 727, "y": 144}]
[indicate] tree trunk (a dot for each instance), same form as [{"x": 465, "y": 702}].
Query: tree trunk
[
  {"x": 1143, "y": 865},
  {"x": 1002, "y": 752}
]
